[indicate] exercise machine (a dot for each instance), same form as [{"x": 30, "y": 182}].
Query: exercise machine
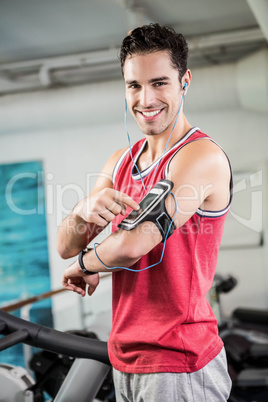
[
  {"x": 85, "y": 376},
  {"x": 245, "y": 337}
]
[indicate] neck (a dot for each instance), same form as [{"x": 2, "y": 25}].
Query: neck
[{"x": 156, "y": 144}]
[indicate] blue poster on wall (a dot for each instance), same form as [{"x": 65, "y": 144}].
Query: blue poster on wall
[{"x": 24, "y": 262}]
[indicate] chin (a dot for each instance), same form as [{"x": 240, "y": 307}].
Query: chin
[
  {"x": 148, "y": 130},
  {"x": 152, "y": 133}
]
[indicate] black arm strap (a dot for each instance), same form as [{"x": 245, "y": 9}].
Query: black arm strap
[{"x": 155, "y": 212}]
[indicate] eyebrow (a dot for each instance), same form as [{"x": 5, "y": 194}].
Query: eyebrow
[{"x": 163, "y": 78}]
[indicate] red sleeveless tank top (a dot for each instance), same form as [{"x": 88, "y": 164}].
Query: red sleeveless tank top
[{"x": 162, "y": 321}]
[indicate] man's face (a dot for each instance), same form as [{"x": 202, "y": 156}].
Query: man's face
[{"x": 153, "y": 91}]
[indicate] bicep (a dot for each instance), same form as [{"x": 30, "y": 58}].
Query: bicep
[
  {"x": 200, "y": 175},
  {"x": 183, "y": 202}
]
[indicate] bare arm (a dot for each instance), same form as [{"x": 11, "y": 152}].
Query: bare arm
[
  {"x": 120, "y": 249},
  {"x": 92, "y": 214},
  {"x": 201, "y": 177}
]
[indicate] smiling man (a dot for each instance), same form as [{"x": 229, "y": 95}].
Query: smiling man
[
  {"x": 164, "y": 343},
  {"x": 154, "y": 102}
]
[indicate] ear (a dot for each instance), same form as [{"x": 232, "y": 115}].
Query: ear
[{"x": 186, "y": 80}]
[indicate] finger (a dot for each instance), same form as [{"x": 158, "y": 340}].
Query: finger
[
  {"x": 98, "y": 219},
  {"x": 126, "y": 200},
  {"x": 64, "y": 281},
  {"x": 76, "y": 284},
  {"x": 92, "y": 281},
  {"x": 123, "y": 209},
  {"x": 76, "y": 289},
  {"x": 116, "y": 208},
  {"x": 91, "y": 289},
  {"x": 107, "y": 215}
]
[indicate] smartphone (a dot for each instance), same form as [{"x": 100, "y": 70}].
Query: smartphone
[{"x": 148, "y": 204}]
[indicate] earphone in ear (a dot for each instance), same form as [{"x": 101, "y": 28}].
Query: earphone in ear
[{"x": 185, "y": 86}]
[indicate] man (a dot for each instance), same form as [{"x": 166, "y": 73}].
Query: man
[{"x": 164, "y": 343}]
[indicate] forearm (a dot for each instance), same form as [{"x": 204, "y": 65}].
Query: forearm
[
  {"x": 121, "y": 249},
  {"x": 74, "y": 234},
  {"x": 89, "y": 217},
  {"x": 114, "y": 251}
]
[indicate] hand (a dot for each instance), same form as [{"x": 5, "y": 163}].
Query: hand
[
  {"x": 74, "y": 279},
  {"x": 102, "y": 207}
]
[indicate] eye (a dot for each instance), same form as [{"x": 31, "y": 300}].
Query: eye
[
  {"x": 160, "y": 84},
  {"x": 133, "y": 86}
]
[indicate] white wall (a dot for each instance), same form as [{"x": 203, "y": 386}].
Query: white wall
[
  {"x": 243, "y": 135},
  {"x": 73, "y": 151},
  {"x": 74, "y": 130}
]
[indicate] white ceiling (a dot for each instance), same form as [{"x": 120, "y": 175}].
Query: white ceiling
[{"x": 35, "y": 33}]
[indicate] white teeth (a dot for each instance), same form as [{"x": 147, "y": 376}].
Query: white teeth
[{"x": 151, "y": 114}]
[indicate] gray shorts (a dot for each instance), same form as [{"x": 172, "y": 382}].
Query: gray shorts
[{"x": 210, "y": 384}]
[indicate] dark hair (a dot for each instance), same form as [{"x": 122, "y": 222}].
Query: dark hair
[{"x": 152, "y": 38}]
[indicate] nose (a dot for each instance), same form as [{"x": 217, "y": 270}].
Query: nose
[{"x": 147, "y": 97}]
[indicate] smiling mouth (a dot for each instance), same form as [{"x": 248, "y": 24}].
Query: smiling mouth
[{"x": 151, "y": 114}]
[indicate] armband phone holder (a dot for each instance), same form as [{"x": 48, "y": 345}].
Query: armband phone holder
[{"x": 152, "y": 208}]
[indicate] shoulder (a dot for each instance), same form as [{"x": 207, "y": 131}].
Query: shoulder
[
  {"x": 117, "y": 155},
  {"x": 112, "y": 161},
  {"x": 105, "y": 178},
  {"x": 202, "y": 170},
  {"x": 202, "y": 155}
]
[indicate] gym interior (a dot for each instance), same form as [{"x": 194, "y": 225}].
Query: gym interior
[{"x": 62, "y": 116}]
